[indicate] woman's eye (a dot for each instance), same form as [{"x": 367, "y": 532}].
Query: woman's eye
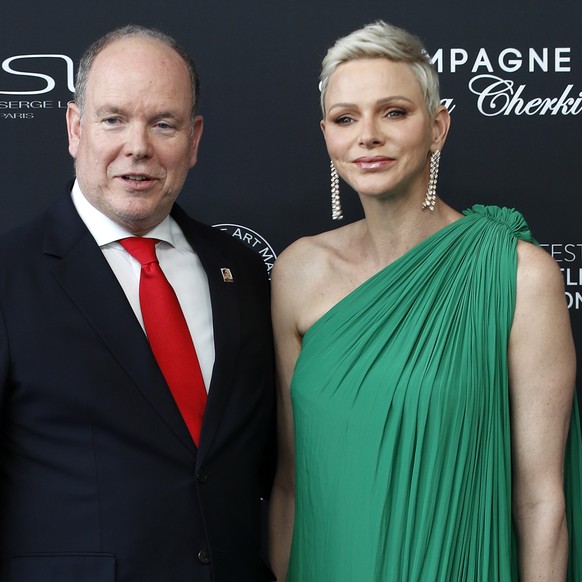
[
  {"x": 343, "y": 120},
  {"x": 395, "y": 113}
]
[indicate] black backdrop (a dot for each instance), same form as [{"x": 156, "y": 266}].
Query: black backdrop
[{"x": 511, "y": 72}]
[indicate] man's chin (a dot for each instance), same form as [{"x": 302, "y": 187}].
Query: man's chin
[{"x": 139, "y": 220}]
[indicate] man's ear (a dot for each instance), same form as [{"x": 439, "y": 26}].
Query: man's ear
[
  {"x": 197, "y": 128},
  {"x": 73, "y": 127}
]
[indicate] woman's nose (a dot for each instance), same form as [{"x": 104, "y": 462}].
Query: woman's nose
[{"x": 371, "y": 134}]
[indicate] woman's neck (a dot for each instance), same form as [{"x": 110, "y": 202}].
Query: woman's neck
[{"x": 392, "y": 228}]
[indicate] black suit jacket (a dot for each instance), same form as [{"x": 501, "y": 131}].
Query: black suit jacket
[{"x": 99, "y": 478}]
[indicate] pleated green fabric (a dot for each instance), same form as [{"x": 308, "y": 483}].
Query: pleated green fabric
[{"x": 402, "y": 425}]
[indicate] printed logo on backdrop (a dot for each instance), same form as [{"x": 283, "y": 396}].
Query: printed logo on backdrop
[
  {"x": 492, "y": 80},
  {"x": 35, "y": 83},
  {"x": 252, "y": 240},
  {"x": 569, "y": 258}
]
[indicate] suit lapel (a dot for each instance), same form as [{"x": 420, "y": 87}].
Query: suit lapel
[
  {"x": 226, "y": 322},
  {"x": 85, "y": 275}
]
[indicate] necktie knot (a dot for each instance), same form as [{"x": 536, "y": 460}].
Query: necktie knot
[{"x": 141, "y": 249}]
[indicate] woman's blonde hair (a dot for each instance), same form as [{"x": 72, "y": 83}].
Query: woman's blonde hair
[{"x": 383, "y": 40}]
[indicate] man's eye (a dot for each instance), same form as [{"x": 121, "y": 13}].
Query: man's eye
[{"x": 164, "y": 125}]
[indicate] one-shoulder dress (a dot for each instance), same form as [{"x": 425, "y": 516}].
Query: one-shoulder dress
[{"x": 402, "y": 423}]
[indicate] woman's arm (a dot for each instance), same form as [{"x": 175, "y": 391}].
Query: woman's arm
[
  {"x": 542, "y": 375},
  {"x": 287, "y": 348}
]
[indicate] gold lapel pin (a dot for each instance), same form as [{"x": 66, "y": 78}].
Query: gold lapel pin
[{"x": 227, "y": 275}]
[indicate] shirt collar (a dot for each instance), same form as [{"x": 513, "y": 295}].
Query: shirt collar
[{"x": 105, "y": 231}]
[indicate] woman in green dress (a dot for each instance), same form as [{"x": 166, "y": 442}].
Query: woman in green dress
[{"x": 425, "y": 360}]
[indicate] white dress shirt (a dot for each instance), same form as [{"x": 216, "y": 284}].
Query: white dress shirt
[{"x": 178, "y": 261}]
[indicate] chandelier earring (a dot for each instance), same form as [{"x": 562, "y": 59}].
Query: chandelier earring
[
  {"x": 430, "y": 198},
  {"x": 336, "y": 206}
]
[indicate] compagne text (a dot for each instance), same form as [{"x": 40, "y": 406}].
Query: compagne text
[
  {"x": 508, "y": 60},
  {"x": 498, "y": 95}
]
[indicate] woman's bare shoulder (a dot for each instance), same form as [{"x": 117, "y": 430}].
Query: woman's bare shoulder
[
  {"x": 310, "y": 257},
  {"x": 307, "y": 278},
  {"x": 537, "y": 271}
]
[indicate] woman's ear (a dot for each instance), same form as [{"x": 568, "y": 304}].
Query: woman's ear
[{"x": 441, "y": 124}]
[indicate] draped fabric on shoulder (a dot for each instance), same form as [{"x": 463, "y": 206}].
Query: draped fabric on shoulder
[{"x": 402, "y": 423}]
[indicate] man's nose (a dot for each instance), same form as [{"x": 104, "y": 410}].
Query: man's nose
[{"x": 138, "y": 141}]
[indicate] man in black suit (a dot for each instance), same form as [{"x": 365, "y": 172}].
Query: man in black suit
[{"x": 100, "y": 478}]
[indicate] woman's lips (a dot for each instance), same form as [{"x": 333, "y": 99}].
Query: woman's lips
[{"x": 374, "y": 163}]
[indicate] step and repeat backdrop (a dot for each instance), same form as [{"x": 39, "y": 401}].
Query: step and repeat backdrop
[{"x": 511, "y": 75}]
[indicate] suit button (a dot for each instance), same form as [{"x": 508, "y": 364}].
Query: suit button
[
  {"x": 201, "y": 477},
  {"x": 204, "y": 556}
]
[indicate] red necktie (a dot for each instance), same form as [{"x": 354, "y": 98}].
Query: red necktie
[{"x": 168, "y": 334}]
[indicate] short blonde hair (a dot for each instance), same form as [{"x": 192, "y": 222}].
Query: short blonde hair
[{"x": 383, "y": 40}]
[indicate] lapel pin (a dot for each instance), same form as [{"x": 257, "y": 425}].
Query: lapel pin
[{"x": 227, "y": 275}]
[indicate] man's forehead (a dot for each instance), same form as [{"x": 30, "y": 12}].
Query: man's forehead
[
  {"x": 139, "y": 61},
  {"x": 126, "y": 51}
]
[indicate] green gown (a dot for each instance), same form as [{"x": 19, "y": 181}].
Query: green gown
[{"x": 402, "y": 424}]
